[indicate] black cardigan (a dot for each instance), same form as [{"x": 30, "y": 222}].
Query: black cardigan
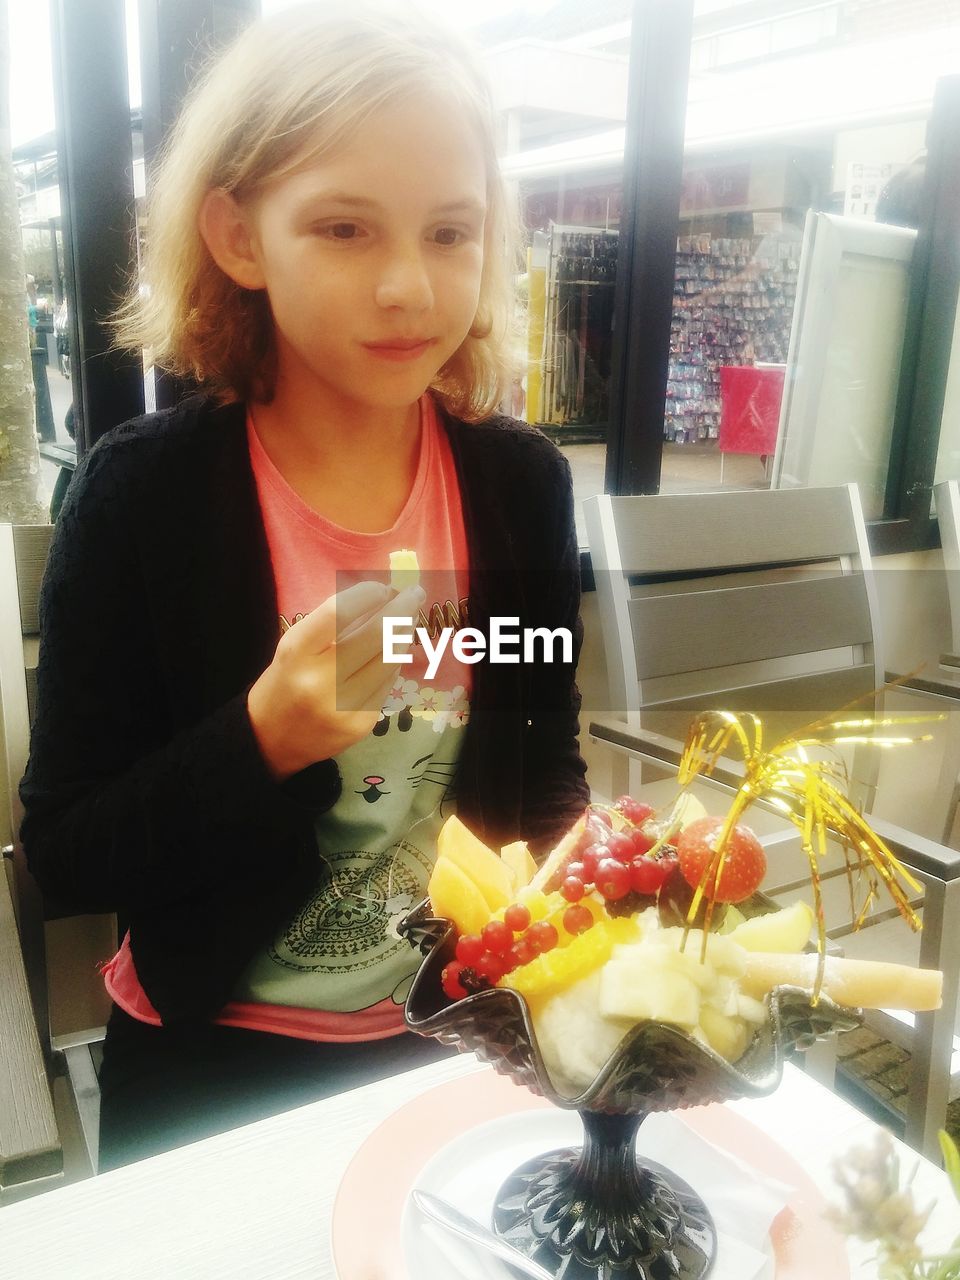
[{"x": 145, "y": 790}]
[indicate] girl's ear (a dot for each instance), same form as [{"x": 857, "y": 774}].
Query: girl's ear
[{"x": 227, "y": 233}]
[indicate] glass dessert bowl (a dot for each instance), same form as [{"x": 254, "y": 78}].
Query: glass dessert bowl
[
  {"x": 599, "y": 1212},
  {"x": 619, "y": 978}
]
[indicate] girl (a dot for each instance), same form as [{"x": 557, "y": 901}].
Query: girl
[{"x": 327, "y": 255}]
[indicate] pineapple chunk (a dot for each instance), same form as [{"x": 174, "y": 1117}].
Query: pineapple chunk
[
  {"x": 751, "y": 1010},
  {"x": 781, "y": 931},
  {"x": 727, "y": 1036},
  {"x": 457, "y": 843},
  {"x": 627, "y": 991},
  {"x": 723, "y": 998},
  {"x": 404, "y": 569},
  {"x": 722, "y": 953},
  {"x": 456, "y": 897},
  {"x": 688, "y": 963}
]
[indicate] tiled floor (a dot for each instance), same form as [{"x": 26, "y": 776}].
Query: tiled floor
[{"x": 870, "y": 1069}]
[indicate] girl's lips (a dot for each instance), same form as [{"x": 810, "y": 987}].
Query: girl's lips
[{"x": 400, "y": 349}]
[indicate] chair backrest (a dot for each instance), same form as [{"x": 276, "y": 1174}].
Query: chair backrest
[
  {"x": 29, "y": 1142},
  {"x": 947, "y": 496},
  {"x": 59, "y": 949},
  {"x": 23, "y": 557},
  {"x": 751, "y": 600}
]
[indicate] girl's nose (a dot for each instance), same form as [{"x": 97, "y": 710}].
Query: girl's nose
[{"x": 404, "y": 282}]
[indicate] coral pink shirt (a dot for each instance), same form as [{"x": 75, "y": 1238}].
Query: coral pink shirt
[{"x": 338, "y": 971}]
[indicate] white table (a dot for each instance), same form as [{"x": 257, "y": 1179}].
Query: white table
[{"x": 256, "y": 1203}]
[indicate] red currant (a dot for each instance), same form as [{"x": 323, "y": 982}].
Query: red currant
[
  {"x": 634, "y": 811},
  {"x": 647, "y": 875},
  {"x": 542, "y": 936},
  {"x": 600, "y": 815},
  {"x": 620, "y": 846},
  {"x": 613, "y": 878},
  {"x": 641, "y": 841},
  {"x": 590, "y": 859},
  {"x": 491, "y": 966},
  {"x": 469, "y": 949},
  {"x": 596, "y": 828},
  {"x": 521, "y": 953},
  {"x": 516, "y": 918},
  {"x": 577, "y": 870},
  {"x": 577, "y": 919},
  {"x": 453, "y": 988},
  {"x": 497, "y": 937},
  {"x": 573, "y": 889}
]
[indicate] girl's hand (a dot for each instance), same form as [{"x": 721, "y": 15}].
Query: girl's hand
[{"x": 326, "y": 684}]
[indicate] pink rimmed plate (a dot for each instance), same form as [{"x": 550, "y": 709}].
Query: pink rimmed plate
[{"x": 367, "y": 1224}]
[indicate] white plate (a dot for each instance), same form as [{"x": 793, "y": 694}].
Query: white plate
[
  {"x": 462, "y": 1138},
  {"x": 469, "y": 1171}
]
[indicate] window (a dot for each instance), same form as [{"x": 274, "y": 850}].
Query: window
[{"x": 795, "y": 111}]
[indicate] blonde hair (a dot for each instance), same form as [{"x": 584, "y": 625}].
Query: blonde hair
[{"x": 287, "y": 91}]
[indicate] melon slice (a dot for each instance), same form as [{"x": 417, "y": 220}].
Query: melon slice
[
  {"x": 870, "y": 984},
  {"x": 456, "y": 897},
  {"x": 466, "y": 851},
  {"x": 519, "y": 861},
  {"x": 690, "y": 809},
  {"x": 781, "y": 931},
  {"x": 561, "y": 855}
]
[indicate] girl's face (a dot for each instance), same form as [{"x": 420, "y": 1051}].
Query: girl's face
[{"x": 372, "y": 256}]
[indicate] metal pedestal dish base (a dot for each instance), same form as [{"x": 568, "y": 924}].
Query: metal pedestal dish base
[{"x": 597, "y": 1213}]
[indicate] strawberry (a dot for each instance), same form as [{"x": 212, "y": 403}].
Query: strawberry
[{"x": 744, "y": 864}]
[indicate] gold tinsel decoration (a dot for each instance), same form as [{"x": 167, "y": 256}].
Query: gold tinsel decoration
[{"x": 812, "y": 794}]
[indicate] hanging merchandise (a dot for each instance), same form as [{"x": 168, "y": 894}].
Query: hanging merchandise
[
  {"x": 733, "y": 305},
  {"x": 578, "y": 332}
]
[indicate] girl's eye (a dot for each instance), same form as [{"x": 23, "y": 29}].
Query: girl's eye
[
  {"x": 448, "y": 236},
  {"x": 341, "y": 230}
]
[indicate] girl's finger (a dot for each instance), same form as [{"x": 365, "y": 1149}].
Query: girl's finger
[
  {"x": 364, "y": 639},
  {"x": 319, "y": 628},
  {"x": 367, "y": 689}
]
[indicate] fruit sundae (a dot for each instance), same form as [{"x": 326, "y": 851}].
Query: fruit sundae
[{"x": 637, "y": 916}]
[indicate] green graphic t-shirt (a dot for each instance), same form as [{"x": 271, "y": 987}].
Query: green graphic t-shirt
[{"x": 338, "y": 969}]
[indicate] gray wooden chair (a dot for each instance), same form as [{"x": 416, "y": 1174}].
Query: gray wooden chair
[
  {"x": 53, "y": 1024},
  {"x": 947, "y": 500},
  {"x": 764, "y": 601}
]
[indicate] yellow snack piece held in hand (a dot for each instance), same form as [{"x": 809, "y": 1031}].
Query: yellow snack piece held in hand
[{"x": 404, "y": 569}]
